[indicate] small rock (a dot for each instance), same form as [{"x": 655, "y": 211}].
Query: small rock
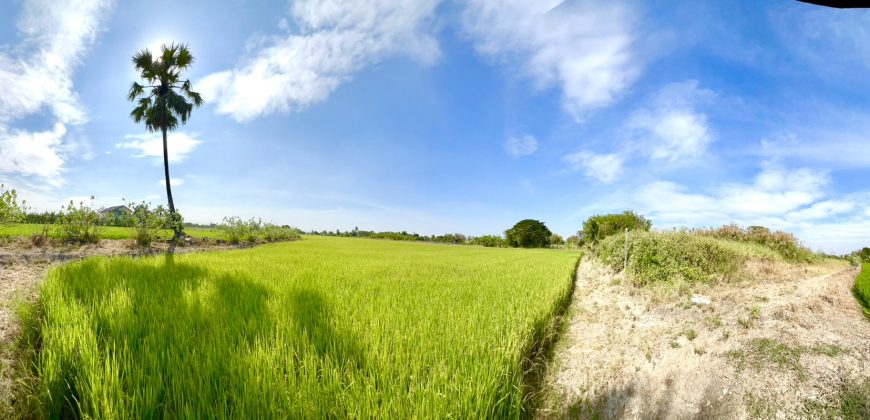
[{"x": 700, "y": 300}]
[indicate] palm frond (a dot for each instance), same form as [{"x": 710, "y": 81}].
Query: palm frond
[{"x": 135, "y": 91}]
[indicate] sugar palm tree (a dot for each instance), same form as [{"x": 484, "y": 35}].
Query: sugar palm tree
[{"x": 164, "y": 100}]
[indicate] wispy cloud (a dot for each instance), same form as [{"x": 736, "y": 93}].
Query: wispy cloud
[
  {"x": 179, "y": 145},
  {"x": 671, "y": 128},
  {"x": 668, "y": 127},
  {"x": 334, "y": 41},
  {"x": 36, "y": 76},
  {"x": 603, "y": 167},
  {"x": 521, "y": 146},
  {"x": 583, "y": 48}
]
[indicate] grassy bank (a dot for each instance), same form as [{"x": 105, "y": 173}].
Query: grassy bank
[
  {"x": 107, "y": 232},
  {"x": 862, "y": 288},
  {"x": 325, "y": 327}
]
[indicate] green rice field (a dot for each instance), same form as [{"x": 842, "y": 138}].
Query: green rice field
[
  {"x": 862, "y": 288},
  {"x": 320, "y": 328},
  {"x": 107, "y": 232}
]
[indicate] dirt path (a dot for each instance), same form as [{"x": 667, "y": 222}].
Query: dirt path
[
  {"x": 22, "y": 269},
  {"x": 796, "y": 347}
]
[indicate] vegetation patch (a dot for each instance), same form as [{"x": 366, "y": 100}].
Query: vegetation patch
[
  {"x": 851, "y": 401},
  {"x": 670, "y": 258},
  {"x": 325, "y": 327},
  {"x": 785, "y": 244},
  {"x": 862, "y": 288}
]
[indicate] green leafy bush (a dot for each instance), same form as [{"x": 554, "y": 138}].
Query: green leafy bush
[
  {"x": 528, "y": 233},
  {"x": 10, "y": 210},
  {"x": 784, "y": 243},
  {"x": 79, "y": 224},
  {"x": 491, "y": 241},
  {"x": 147, "y": 223},
  {"x": 236, "y": 230},
  {"x": 275, "y": 233},
  {"x": 670, "y": 257},
  {"x": 596, "y": 228}
]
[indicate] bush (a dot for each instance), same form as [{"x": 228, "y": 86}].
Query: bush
[
  {"x": 10, "y": 210},
  {"x": 147, "y": 223},
  {"x": 528, "y": 233},
  {"x": 274, "y": 233},
  {"x": 79, "y": 224},
  {"x": 556, "y": 240},
  {"x": 672, "y": 257},
  {"x": 785, "y": 244},
  {"x": 598, "y": 227},
  {"x": 236, "y": 230},
  {"x": 574, "y": 241},
  {"x": 491, "y": 241}
]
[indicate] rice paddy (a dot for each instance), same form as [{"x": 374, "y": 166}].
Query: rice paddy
[{"x": 324, "y": 327}]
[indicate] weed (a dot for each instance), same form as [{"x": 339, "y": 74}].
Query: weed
[{"x": 691, "y": 334}]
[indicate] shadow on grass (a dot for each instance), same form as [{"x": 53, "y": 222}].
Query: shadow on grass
[
  {"x": 312, "y": 319},
  {"x": 166, "y": 323}
]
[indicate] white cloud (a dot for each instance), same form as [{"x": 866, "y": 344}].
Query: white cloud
[
  {"x": 671, "y": 128},
  {"x": 33, "y": 153},
  {"x": 584, "y": 48},
  {"x": 334, "y": 41},
  {"x": 837, "y": 148},
  {"x": 36, "y": 75},
  {"x": 521, "y": 146},
  {"x": 172, "y": 181},
  {"x": 179, "y": 144},
  {"x": 800, "y": 201},
  {"x": 603, "y": 167}
]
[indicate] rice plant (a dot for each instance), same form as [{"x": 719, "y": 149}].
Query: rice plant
[{"x": 325, "y": 327}]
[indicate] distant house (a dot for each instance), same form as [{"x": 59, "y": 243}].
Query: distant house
[{"x": 116, "y": 212}]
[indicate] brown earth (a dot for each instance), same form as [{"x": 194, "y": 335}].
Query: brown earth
[{"x": 793, "y": 346}]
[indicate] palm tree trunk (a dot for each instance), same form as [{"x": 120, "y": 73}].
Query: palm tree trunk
[{"x": 177, "y": 231}]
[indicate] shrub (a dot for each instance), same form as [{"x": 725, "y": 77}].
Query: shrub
[
  {"x": 601, "y": 226},
  {"x": 79, "y": 224},
  {"x": 236, "y": 230},
  {"x": 672, "y": 257},
  {"x": 528, "y": 233},
  {"x": 491, "y": 241},
  {"x": 574, "y": 241},
  {"x": 147, "y": 223},
  {"x": 274, "y": 233},
  {"x": 785, "y": 244},
  {"x": 10, "y": 210},
  {"x": 41, "y": 238}
]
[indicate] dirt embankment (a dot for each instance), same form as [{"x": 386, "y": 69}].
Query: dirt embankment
[
  {"x": 796, "y": 346},
  {"x": 22, "y": 269}
]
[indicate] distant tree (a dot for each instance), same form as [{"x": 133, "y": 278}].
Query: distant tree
[
  {"x": 10, "y": 210},
  {"x": 557, "y": 240},
  {"x": 574, "y": 241},
  {"x": 601, "y": 226},
  {"x": 164, "y": 101},
  {"x": 528, "y": 233}
]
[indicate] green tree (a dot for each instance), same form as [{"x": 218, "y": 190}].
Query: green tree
[
  {"x": 556, "y": 239},
  {"x": 164, "y": 101},
  {"x": 528, "y": 233},
  {"x": 601, "y": 226},
  {"x": 10, "y": 210}
]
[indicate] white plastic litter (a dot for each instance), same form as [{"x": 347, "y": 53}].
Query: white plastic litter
[{"x": 700, "y": 300}]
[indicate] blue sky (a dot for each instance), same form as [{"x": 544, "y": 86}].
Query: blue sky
[{"x": 454, "y": 116}]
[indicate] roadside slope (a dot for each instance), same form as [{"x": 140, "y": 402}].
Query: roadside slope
[{"x": 795, "y": 347}]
